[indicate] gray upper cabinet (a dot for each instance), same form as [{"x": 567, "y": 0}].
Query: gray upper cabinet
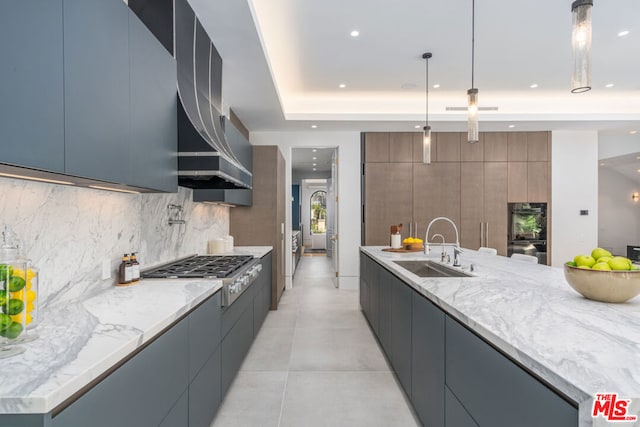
[
  {"x": 153, "y": 101},
  {"x": 87, "y": 92},
  {"x": 31, "y": 84},
  {"x": 96, "y": 77}
]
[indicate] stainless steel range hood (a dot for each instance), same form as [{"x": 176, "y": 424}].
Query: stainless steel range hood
[{"x": 213, "y": 157}]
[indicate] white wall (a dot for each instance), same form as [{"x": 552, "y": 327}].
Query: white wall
[
  {"x": 618, "y": 214},
  {"x": 574, "y": 187},
  {"x": 617, "y": 145},
  {"x": 348, "y": 144}
]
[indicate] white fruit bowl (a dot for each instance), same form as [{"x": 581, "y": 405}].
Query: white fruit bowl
[{"x": 601, "y": 285}]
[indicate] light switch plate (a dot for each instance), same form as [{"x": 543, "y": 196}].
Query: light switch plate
[{"x": 106, "y": 269}]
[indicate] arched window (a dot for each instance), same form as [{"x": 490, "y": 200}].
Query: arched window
[{"x": 319, "y": 212}]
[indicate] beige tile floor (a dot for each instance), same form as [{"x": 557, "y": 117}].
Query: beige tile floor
[{"x": 315, "y": 362}]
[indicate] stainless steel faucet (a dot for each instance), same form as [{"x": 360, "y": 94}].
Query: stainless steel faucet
[
  {"x": 456, "y": 256},
  {"x": 456, "y": 249},
  {"x": 443, "y": 254}
]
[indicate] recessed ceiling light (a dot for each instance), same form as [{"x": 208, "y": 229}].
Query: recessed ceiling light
[
  {"x": 601, "y": 164},
  {"x": 355, "y": 33},
  {"x": 314, "y": 169},
  {"x": 314, "y": 158},
  {"x": 315, "y": 164},
  {"x": 314, "y": 126},
  {"x": 534, "y": 85},
  {"x": 608, "y": 85},
  {"x": 638, "y": 170},
  {"x": 512, "y": 126},
  {"x": 342, "y": 85},
  {"x": 417, "y": 126},
  {"x": 436, "y": 86},
  {"x": 623, "y": 33},
  {"x": 633, "y": 132},
  {"x": 314, "y": 150}
]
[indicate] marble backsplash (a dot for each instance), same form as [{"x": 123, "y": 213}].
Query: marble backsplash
[{"x": 69, "y": 231}]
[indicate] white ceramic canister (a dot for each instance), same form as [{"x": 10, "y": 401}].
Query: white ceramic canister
[
  {"x": 216, "y": 246},
  {"x": 396, "y": 241},
  {"x": 228, "y": 243}
]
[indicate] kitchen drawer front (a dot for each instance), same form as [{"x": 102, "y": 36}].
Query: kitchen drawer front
[
  {"x": 179, "y": 414},
  {"x": 427, "y": 361},
  {"x": 494, "y": 390},
  {"x": 141, "y": 392},
  {"x": 204, "y": 393},
  {"x": 234, "y": 347},
  {"x": 232, "y": 313},
  {"x": 204, "y": 333},
  {"x": 455, "y": 414},
  {"x": 401, "y": 332}
]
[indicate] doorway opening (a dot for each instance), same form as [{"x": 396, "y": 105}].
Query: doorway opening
[{"x": 314, "y": 203}]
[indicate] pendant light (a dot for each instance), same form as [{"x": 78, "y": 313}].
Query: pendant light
[
  {"x": 426, "y": 137},
  {"x": 472, "y": 94},
  {"x": 581, "y": 41}
]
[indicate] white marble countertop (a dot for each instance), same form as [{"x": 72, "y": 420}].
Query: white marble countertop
[
  {"x": 528, "y": 311},
  {"x": 81, "y": 340}
]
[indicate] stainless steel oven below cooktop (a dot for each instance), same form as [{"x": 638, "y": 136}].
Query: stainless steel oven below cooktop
[{"x": 200, "y": 266}]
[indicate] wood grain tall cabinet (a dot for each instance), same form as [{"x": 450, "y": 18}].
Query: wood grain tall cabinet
[
  {"x": 471, "y": 184},
  {"x": 262, "y": 223}
]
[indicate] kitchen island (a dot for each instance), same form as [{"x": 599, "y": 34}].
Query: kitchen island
[
  {"x": 525, "y": 313},
  {"x": 159, "y": 336}
]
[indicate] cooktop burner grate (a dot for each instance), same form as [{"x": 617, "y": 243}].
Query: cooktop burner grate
[{"x": 220, "y": 266}]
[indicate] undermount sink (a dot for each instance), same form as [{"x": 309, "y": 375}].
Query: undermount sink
[{"x": 431, "y": 269}]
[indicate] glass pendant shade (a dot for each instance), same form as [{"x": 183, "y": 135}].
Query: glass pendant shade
[
  {"x": 581, "y": 41},
  {"x": 472, "y": 120},
  {"x": 426, "y": 145}
]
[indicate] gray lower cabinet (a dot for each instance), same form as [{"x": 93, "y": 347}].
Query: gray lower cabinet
[
  {"x": 31, "y": 84},
  {"x": 179, "y": 414},
  {"x": 205, "y": 394},
  {"x": 239, "y": 324},
  {"x": 262, "y": 300},
  {"x": 452, "y": 377},
  {"x": 96, "y": 89},
  {"x": 427, "y": 361},
  {"x": 455, "y": 414},
  {"x": 204, "y": 334},
  {"x": 235, "y": 345},
  {"x": 494, "y": 390},
  {"x": 401, "y": 332},
  {"x": 370, "y": 291},
  {"x": 384, "y": 303},
  {"x": 139, "y": 393}
]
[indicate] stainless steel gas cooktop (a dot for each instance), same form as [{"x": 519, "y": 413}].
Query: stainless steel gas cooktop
[{"x": 200, "y": 266}]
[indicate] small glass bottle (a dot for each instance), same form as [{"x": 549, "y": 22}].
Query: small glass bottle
[
  {"x": 125, "y": 270},
  {"x": 135, "y": 268}
]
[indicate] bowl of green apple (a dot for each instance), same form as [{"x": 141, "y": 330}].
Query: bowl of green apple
[{"x": 603, "y": 277}]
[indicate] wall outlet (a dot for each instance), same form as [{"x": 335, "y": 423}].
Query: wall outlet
[{"x": 106, "y": 269}]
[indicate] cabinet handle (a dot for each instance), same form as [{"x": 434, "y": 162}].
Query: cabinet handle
[{"x": 481, "y": 235}]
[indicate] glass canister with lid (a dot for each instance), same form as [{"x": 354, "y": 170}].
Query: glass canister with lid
[{"x": 18, "y": 296}]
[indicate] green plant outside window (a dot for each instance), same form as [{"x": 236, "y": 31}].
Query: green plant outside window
[{"x": 319, "y": 212}]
